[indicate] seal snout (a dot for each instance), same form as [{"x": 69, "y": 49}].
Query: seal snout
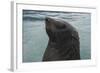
[
  {"x": 49, "y": 22},
  {"x": 48, "y": 19}
]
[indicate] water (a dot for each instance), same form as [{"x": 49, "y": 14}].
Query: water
[{"x": 35, "y": 39}]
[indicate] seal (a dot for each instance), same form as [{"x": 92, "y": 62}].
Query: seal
[{"x": 63, "y": 42}]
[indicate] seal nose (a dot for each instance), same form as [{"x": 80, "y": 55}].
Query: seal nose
[{"x": 48, "y": 20}]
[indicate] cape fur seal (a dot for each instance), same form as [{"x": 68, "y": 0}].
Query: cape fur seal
[{"x": 63, "y": 41}]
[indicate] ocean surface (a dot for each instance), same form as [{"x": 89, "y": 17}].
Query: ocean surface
[{"x": 35, "y": 39}]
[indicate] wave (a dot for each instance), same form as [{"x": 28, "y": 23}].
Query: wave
[{"x": 40, "y": 15}]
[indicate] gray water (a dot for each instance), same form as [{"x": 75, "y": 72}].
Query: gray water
[{"x": 35, "y": 39}]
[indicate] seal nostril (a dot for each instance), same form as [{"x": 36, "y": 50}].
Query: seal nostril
[{"x": 47, "y": 19}]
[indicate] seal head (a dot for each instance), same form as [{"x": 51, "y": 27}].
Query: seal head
[{"x": 63, "y": 40}]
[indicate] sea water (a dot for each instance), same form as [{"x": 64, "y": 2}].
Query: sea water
[{"x": 35, "y": 38}]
